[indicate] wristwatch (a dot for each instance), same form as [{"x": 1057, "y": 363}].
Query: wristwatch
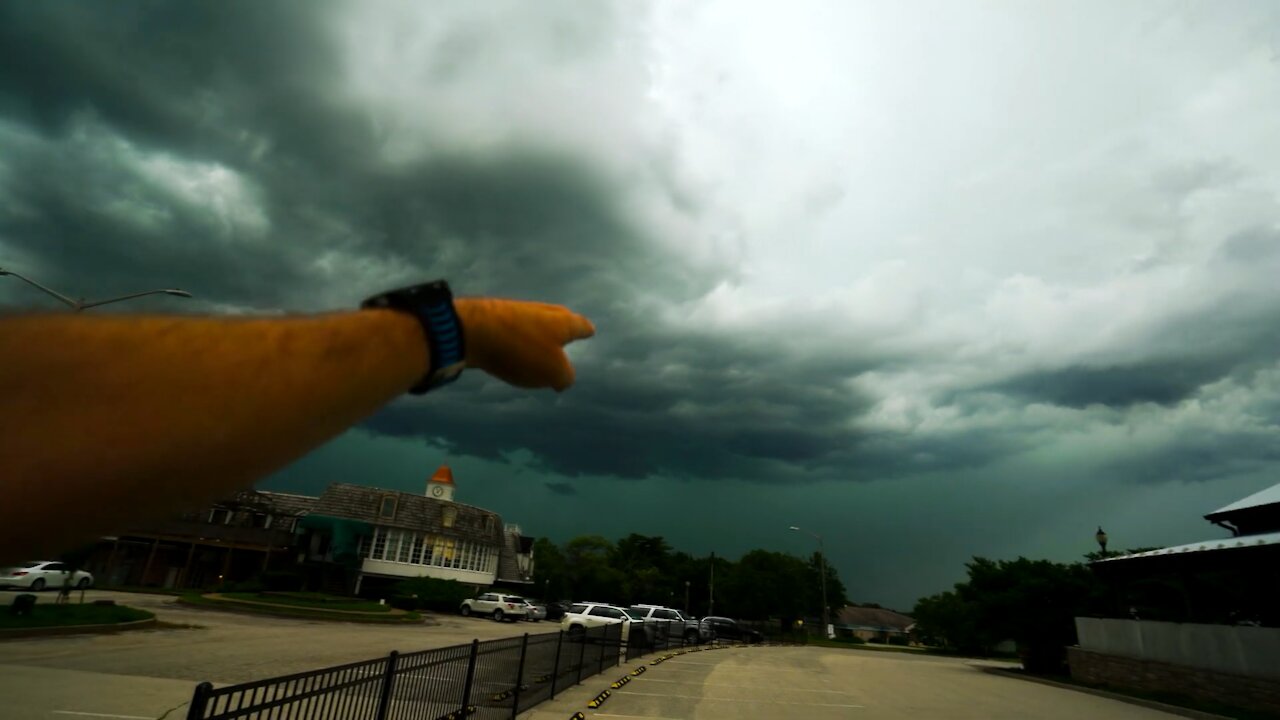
[{"x": 432, "y": 305}]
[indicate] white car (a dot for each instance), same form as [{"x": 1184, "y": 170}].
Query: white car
[
  {"x": 38, "y": 575},
  {"x": 581, "y": 616},
  {"x": 496, "y": 605}
]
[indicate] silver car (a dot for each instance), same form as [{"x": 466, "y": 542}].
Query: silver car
[{"x": 537, "y": 610}]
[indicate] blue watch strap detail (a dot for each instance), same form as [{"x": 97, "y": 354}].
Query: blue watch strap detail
[{"x": 432, "y": 305}]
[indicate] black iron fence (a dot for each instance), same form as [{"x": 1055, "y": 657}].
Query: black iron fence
[
  {"x": 493, "y": 679},
  {"x": 485, "y": 680}
]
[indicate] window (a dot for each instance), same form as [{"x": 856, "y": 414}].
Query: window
[
  {"x": 219, "y": 516},
  {"x": 416, "y": 551},
  {"x": 406, "y": 546},
  {"x": 363, "y": 546},
  {"x": 261, "y": 521},
  {"x": 55, "y": 567},
  {"x": 448, "y": 516},
  {"x": 602, "y": 611},
  {"x": 488, "y": 597},
  {"x": 488, "y": 523},
  {"x": 379, "y": 543},
  {"x": 577, "y": 609},
  {"x": 388, "y": 507}
]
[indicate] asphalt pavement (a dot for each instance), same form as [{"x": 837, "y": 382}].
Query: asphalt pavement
[{"x": 767, "y": 683}]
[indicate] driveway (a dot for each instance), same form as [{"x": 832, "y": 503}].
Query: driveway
[
  {"x": 765, "y": 683},
  {"x": 141, "y": 674}
]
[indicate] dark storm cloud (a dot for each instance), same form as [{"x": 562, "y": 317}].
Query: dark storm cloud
[
  {"x": 247, "y": 90},
  {"x": 306, "y": 213},
  {"x": 561, "y": 488},
  {"x": 1163, "y": 383}
]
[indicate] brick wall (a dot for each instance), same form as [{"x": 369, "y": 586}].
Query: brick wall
[{"x": 1148, "y": 675}]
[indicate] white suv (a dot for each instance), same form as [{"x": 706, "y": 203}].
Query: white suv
[
  {"x": 498, "y": 606},
  {"x": 581, "y": 616}
]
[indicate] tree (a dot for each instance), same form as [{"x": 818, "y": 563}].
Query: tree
[
  {"x": 550, "y": 575},
  {"x": 590, "y": 574},
  {"x": 1033, "y": 602}
]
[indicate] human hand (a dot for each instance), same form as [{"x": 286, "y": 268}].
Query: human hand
[{"x": 520, "y": 342}]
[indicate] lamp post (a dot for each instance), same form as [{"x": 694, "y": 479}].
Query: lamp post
[
  {"x": 81, "y": 304},
  {"x": 1101, "y": 537},
  {"x": 822, "y": 570},
  {"x": 686, "y": 598}
]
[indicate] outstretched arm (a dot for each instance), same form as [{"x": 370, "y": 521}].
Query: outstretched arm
[{"x": 106, "y": 420}]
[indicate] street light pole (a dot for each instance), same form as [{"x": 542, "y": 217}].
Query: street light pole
[
  {"x": 78, "y": 305},
  {"x": 822, "y": 570}
]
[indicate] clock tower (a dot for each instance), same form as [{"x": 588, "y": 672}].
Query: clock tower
[{"x": 440, "y": 486}]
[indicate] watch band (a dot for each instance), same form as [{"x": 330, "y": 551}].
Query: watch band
[{"x": 432, "y": 305}]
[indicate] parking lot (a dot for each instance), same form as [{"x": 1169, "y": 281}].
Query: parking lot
[
  {"x": 144, "y": 674},
  {"x": 141, "y": 674},
  {"x": 765, "y": 683}
]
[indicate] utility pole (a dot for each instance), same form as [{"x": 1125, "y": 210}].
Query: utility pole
[{"x": 711, "y": 600}]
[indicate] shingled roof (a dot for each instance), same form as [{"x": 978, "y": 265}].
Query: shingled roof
[
  {"x": 413, "y": 512},
  {"x": 878, "y": 618}
]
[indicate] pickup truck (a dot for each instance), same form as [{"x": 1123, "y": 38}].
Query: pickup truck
[{"x": 675, "y": 624}]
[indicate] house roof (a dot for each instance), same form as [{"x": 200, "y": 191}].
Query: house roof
[
  {"x": 878, "y": 618},
  {"x": 289, "y": 503},
  {"x": 412, "y": 512},
  {"x": 1269, "y": 496},
  {"x": 1245, "y": 541},
  {"x": 508, "y": 564}
]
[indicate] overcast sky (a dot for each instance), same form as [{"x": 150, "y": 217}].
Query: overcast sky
[{"x": 933, "y": 279}]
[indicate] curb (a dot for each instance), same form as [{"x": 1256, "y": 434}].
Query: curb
[
  {"x": 78, "y": 629},
  {"x": 291, "y": 612},
  {"x": 1141, "y": 702}
]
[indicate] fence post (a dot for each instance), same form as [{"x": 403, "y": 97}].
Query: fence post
[
  {"x": 471, "y": 676},
  {"x": 198, "y": 700},
  {"x": 582, "y": 653},
  {"x": 515, "y": 701},
  {"x": 555, "y": 667},
  {"x": 388, "y": 680},
  {"x": 604, "y": 643}
]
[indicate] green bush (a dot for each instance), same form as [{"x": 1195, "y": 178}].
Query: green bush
[
  {"x": 850, "y": 639},
  {"x": 244, "y": 586},
  {"x": 404, "y": 602},
  {"x": 431, "y": 594},
  {"x": 281, "y": 581}
]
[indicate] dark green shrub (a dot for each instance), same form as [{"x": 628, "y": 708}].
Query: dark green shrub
[{"x": 434, "y": 594}]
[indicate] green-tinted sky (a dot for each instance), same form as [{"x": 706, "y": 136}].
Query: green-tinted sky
[{"x": 933, "y": 279}]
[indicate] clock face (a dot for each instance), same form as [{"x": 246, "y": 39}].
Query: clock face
[{"x": 437, "y": 491}]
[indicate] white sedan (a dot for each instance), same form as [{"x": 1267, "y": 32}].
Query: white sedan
[{"x": 40, "y": 574}]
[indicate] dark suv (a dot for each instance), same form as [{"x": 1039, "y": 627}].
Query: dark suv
[{"x": 729, "y": 629}]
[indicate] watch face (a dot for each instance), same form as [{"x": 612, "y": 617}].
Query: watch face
[{"x": 437, "y": 491}]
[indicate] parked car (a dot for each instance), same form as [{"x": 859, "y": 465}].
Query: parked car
[
  {"x": 677, "y": 626},
  {"x": 588, "y": 615},
  {"x": 496, "y": 605},
  {"x": 41, "y": 574},
  {"x": 537, "y": 610},
  {"x": 729, "y": 629},
  {"x": 557, "y": 608}
]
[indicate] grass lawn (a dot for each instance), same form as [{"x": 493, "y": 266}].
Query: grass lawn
[
  {"x": 50, "y": 615},
  {"x": 317, "y": 601}
]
